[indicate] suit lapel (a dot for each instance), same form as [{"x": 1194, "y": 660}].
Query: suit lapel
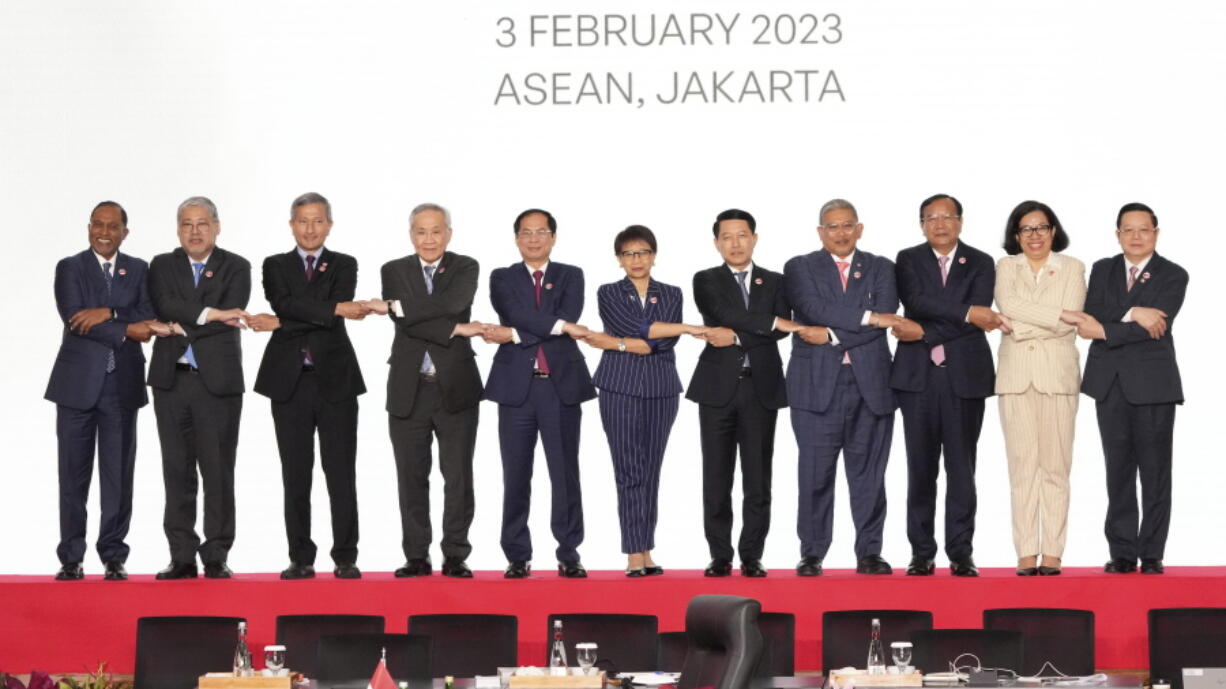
[
  {"x": 551, "y": 274},
  {"x": 414, "y": 276},
  {"x": 208, "y": 278},
  {"x": 955, "y": 269},
  {"x": 1053, "y": 273},
  {"x": 855, "y": 277},
  {"x": 1152, "y": 271},
  {"x": 94, "y": 280},
  {"x": 632, "y": 295},
  {"x": 651, "y": 305},
  {"x": 828, "y": 272},
  {"x": 119, "y": 278},
  {"x": 757, "y": 291}
]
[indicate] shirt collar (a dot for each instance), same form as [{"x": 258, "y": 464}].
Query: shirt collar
[
  {"x": 112, "y": 260},
  {"x": 851, "y": 258},
  {"x": 192, "y": 262},
  {"x": 425, "y": 265},
  {"x": 1139, "y": 266},
  {"x": 303, "y": 254},
  {"x": 544, "y": 268},
  {"x": 952, "y": 252}
]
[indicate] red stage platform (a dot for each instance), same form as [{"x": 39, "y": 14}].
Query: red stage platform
[{"x": 70, "y": 626}]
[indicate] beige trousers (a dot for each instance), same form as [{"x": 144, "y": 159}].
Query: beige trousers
[{"x": 1039, "y": 444}]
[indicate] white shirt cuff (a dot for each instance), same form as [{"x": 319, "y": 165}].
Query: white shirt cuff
[
  {"x": 515, "y": 336},
  {"x": 834, "y": 339},
  {"x": 1127, "y": 316},
  {"x": 557, "y": 327},
  {"x": 396, "y": 307},
  {"x": 867, "y": 319},
  {"x": 203, "y": 317}
]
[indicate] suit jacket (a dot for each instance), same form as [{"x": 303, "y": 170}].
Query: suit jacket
[
  {"x": 641, "y": 375},
  {"x": 1041, "y": 351},
  {"x": 941, "y": 309},
  {"x": 427, "y": 324},
  {"x": 1146, "y": 367},
  {"x": 309, "y": 322},
  {"x": 80, "y": 366},
  {"x": 816, "y": 294},
  {"x": 225, "y": 283},
  {"x": 513, "y": 294},
  {"x": 718, "y": 296}
]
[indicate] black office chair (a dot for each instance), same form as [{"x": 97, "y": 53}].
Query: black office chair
[
  {"x": 1060, "y": 636},
  {"x": 1185, "y": 637},
  {"x": 469, "y": 645},
  {"x": 725, "y": 642},
  {"x": 349, "y": 657},
  {"x": 672, "y": 651},
  {"x": 846, "y": 633},
  {"x": 935, "y": 649},
  {"x": 172, "y": 652},
  {"x": 778, "y": 644},
  {"x": 300, "y": 635},
  {"x": 626, "y": 642}
]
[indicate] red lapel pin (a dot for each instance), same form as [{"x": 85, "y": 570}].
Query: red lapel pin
[
  {"x": 961, "y": 259},
  {"x": 208, "y": 273},
  {"x": 653, "y": 300},
  {"x": 323, "y": 266},
  {"x": 548, "y": 285},
  {"x": 757, "y": 281},
  {"x": 856, "y": 275},
  {"x": 123, "y": 271}
]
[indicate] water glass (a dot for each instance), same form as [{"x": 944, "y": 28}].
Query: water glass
[
  {"x": 586, "y": 654},
  {"x": 274, "y": 658},
  {"x": 901, "y": 651}
]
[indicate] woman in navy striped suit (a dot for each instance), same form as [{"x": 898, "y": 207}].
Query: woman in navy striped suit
[{"x": 639, "y": 387}]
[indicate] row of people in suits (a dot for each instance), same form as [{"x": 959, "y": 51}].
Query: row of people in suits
[{"x": 841, "y": 384}]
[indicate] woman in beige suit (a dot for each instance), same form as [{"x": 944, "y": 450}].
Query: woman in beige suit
[{"x": 1041, "y": 292}]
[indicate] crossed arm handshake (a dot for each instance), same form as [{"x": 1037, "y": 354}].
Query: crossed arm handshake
[
  {"x": 86, "y": 320},
  {"x": 1151, "y": 319}
]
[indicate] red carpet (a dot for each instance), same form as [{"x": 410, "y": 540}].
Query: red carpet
[{"x": 70, "y": 626}]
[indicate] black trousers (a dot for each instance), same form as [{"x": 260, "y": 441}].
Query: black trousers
[
  {"x": 296, "y": 421},
  {"x": 742, "y": 424},
  {"x": 112, "y": 429},
  {"x": 198, "y": 431},
  {"x": 937, "y": 420},
  {"x": 1137, "y": 439},
  {"x": 457, "y": 439}
]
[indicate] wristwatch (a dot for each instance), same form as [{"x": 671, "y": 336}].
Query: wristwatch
[{"x": 621, "y": 344}]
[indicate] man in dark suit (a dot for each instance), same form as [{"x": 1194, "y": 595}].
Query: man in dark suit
[
  {"x": 539, "y": 379},
  {"x": 942, "y": 373},
  {"x": 738, "y": 385},
  {"x": 197, "y": 381},
  {"x": 1131, "y": 373},
  {"x": 311, "y": 374},
  {"x": 98, "y": 386},
  {"x": 433, "y": 388},
  {"x": 838, "y": 387}
]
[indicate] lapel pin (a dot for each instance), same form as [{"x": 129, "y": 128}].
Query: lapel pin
[
  {"x": 123, "y": 271},
  {"x": 1144, "y": 276},
  {"x": 757, "y": 281},
  {"x": 441, "y": 269},
  {"x": 856, "y": 275},
  {"x": 1051, "y": 272},
  {"x": 961, "y": 259},
  {"x": 653, "y": 300},
  {"x": 323, "y": 266},
  {"x": 548, "y": 285},
  {"x": 208, "y": 273}
]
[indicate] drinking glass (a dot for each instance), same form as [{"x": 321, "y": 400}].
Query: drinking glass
[
  {"x": 586, "y": 653},
  {"x": 274, "y": 658},
  {"x": 901, "y": 651}
]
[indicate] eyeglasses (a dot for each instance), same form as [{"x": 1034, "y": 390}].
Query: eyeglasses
[
  {"x": 545, "y": 232},
  {"x": 847, "y": 226},
  {"x": 938, "y": 217},
  {"x": 1035, "y": 230},
  {"x": 631, "y": 255},
  {"x": 1137, "y": 232}
]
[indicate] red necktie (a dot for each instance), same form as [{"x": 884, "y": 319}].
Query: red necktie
[
  {"x": 938, "y": 352},
  {"x": 310, "y": 273},
  {"x": 541, "y": 364}
]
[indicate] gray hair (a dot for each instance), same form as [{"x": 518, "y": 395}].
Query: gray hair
[
  {"x": 309, "y": 198},
  {"x": 201, "y": 201},
  {"x": 423, "y": 207},
  {"x": 835, "y": 205}
]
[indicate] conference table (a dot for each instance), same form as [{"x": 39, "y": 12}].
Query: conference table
[{"x": 790, "y": 682}]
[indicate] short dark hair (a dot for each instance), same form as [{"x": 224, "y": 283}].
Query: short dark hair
[
  {"x": 937, "y": 197},
  {"x": 1134, "y": 206},
  {"x": 123, "y": 215},
  {"x": 309, "y": 198},
  {"x": 553, "y": 224},
  {"x": 1013, "y": 247},
  {"x": 632, "y": 233},
  {"x": 735, "y": 214}
]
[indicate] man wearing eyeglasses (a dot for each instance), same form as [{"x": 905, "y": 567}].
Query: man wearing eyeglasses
[
  {"x": 1131, "y": 373},
  {"x": 942, "y": 374},
  {"x": 539, "y": 379},
  {"x": 838, "y": 385}
]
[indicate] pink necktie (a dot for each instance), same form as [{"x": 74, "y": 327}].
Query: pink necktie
[
  {"x": 938, "y": 352},
  {"x": 1132, "y": 277},
  {"x": 541, "y": 364},
  {"x": 843, "y": 266}
]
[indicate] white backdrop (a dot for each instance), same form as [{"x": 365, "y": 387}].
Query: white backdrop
[{"x": 380, "y": 106}]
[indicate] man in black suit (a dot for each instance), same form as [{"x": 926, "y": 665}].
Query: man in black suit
[
  {"x": 197, "y": 381},
  {"x": 1131, "y": 373},
  {"x": 738, "y": 385},
  {"x": 98, "y": 386},
  {"x": 311, "y": 374},
  {"x": 433, "y": 388},
  {"x": 942, "y": 373}
]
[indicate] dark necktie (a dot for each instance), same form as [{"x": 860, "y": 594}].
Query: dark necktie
[
  {"x": 110, "y": 353},
  {"x": 541, "y": 364},
  {"x": 427, "y": 364},
  {"x": 742, "y": 276},
  {"x": 310, "y": 273}
]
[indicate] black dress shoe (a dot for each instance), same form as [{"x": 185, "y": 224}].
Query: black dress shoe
[
  {"x": 963, "y": 568},
  {"x": 753, "y": 569},
  {"x": 347, "y": 570},
  {"x": 297, "y": 570},
  {"x": 217, "y": 570},
  {"x": 70, "y": 572},
  {"x": 1118, "y": 565},
  {"x": 654, "y": 570},
  {"x": 921, "y": 567},
  {"x": 456, "y": 567},
  {"x": 1028, "y": 571},
  {"x": 809, "y": 567},
  {"x": 636, "y": 573},
  {"x": 1045, "y": 571},
  {"x": 415, "y": 567},
  {"x": 873, "y": 564},
  {"x": 1152, "y": 566},
  {"x": 178, "y": 570},
  {"x": 718, "y": 568},
  {"x": 517, "y": 569},
  {"x": 573, "y": 569},
  {"x": 115, "y": 572}
]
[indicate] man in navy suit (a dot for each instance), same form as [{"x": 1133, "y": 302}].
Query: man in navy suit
[
  {"x": 838, "y": 387},
  {"x": 97, "y": 384},
  {"x": 942, "y": 373},
  {"x": 1131, "y": 373},
  {"x": 539, "y": 379}
]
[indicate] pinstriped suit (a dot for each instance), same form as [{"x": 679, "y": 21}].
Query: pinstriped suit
[
  {"x": 639, "y": 396},
  {"x": 1037, "y": 380}
]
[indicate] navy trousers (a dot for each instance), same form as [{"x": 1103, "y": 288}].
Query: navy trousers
[
  {"x": 849, "y": 427},
  {"x": 558, "y": 426},
  {"x": 637, "y": 429},
  {"x": 112, "y": 428}
]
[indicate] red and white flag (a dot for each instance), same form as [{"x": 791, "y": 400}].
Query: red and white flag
[{"x": 382, "y": 679}]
